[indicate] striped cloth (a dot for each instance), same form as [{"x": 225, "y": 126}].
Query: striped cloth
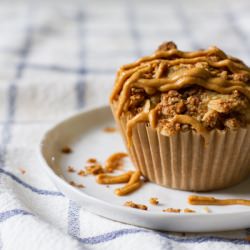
[{"x": 54, "y": 56}]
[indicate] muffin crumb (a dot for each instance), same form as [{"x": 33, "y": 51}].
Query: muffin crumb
[
  {"x": 94, "y": 169},
  {"x": 154, "y": 201},
  {"x": 109, "y": 129},
  {"x": 188, "y": 210},
  {"x": 66, "y": 150},
  {"x": 172, "y": 210},
  {"x": 72, "y": 183},
  {"x": 22, "y": 170},
  {"x": 81, "y": 173},
  {"x": 135, "y": 205},
  {"x": 91, "y": 160},
  {"x": 70, "y": 169},
  {"x": 207, "y": 210}
]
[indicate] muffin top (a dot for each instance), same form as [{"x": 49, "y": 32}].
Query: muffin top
[{"x": 176, "y": 91}]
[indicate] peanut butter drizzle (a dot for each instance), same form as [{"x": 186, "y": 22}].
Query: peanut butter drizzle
[
  {"x": 174, "y": 52},
  {"x": 204, "y": 200},
  {"x": 141, "y": 117},
  {"x": 152, "y": 117},
  {"x": 187, "y": 119},
  {"x": 131, "y": 75}
]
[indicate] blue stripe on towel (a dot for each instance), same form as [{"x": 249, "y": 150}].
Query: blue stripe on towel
[
  {"x": 110, "y": 236},
  {"x": 8, "y": 214},
  {"x": 69, "y": 70},
  {"x": 12, "y": 90},
  {"x": 102, "y": 238},
  {"x": 122, "y": 232},
  {"x": 28, "y": 186},
  {"x": 73, "y": 219}
]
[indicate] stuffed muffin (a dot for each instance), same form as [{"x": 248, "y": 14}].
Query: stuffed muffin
[{"x": 185, "y": 116}]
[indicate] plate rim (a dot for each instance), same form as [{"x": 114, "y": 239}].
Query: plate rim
[{"x": 57, "y": 179}]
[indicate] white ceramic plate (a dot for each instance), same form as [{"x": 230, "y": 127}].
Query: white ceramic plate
[{"x": 84, "y": 134}]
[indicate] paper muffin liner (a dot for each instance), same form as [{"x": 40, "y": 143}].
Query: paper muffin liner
[{"x": 183, "y": 161}]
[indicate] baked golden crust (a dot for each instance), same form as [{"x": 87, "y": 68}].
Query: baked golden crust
[{"x": 176, "y": 91}]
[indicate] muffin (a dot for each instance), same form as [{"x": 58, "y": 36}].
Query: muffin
[{"x": 184, "y": 117}]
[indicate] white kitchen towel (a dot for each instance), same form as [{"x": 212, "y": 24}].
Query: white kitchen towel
[{"x": 57, "y": 57}]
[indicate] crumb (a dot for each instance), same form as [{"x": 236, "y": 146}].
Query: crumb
[
  {"x": 154, "y": 201},
  {"x": 137, "y": 97},
  {"x": 241, "y": 77},
  {"x": 66, "y": 150},
  {"x": 188, "y": 210},
  {"x": 107, "y": 186},
  {"x": 81, "y": 173},
  {"x": 70, "y": 169},
  {"x": 172, "y": 210},
  {"x": 23, "y": 171},
  {"x": 94, "y": 169},
  {"x": 91, "y": 160},
  {"x": 72, "y": 183},
  {"x": 134, "y": 205},
  {"x": 109, "y": 130},
  {"x": 207, "y": 210}
]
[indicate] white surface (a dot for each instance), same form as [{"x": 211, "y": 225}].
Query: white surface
[{"x": 84, "y": 134}]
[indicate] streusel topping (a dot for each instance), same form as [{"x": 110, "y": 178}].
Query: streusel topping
[{"x": 176, "y": 91}]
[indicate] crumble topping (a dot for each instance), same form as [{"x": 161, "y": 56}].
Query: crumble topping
[{"x": 207, "y": 89}]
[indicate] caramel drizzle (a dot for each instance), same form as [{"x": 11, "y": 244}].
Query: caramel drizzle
[
  {"x": 130, "y": 75},
  {"x": 141, "y": 117},
  {"x": 204, "y": 200},
  {"x": 187, "y": 119}
]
